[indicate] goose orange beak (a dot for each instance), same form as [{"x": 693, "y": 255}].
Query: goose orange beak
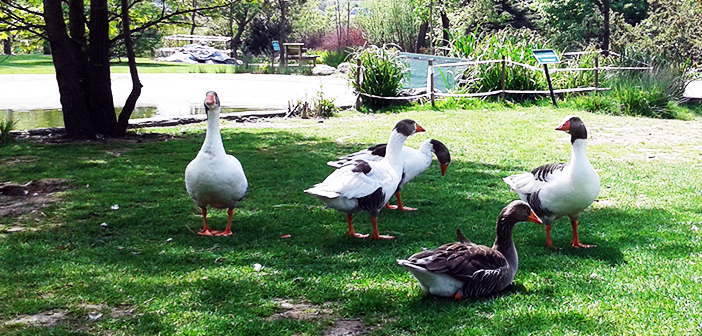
[
  {"x": 565, "y": 126},
  {"x": 534, "y": 218},
  {"x": 443, "y": 169},
  {"x": 419, "y": 129}
]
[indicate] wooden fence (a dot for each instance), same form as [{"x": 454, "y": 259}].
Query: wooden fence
[{"x": 502, "y": 91}]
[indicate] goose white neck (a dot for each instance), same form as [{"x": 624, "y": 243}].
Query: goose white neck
[
  {"x": 213, "y": 139},
  {"x": 579, "y": 152},
  {"x": 393, "y": 151},
  {"x": 426, "y": 148}
]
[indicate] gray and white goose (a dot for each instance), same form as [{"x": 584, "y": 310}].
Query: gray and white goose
[
  {"x": 362, "y": 185},
  {"x": 414, "y": 162},
  {"x": 215, "y": 178},
  {"x": 464, "y": 269},
  {"x": 561, "y": 189}
]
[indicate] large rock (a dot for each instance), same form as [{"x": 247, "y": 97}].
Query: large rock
[{"x": 323, "y": 69}]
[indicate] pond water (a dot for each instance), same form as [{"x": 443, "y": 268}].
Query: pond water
[{"x": 42, "y": 118}]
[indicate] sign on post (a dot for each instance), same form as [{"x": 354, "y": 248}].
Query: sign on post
[
  {"x": 546, "y": 57},
  {"x": 276, "y": 46}
]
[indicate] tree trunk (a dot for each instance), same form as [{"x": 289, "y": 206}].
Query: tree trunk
[
  {"x": 605, "y": 37},
  {"x": 422, "y": 37},
  {"x": 445, "y": 25},
  {"x": 7, "y": 46},
  {"x": 281, "y": 38},
  {"x": 65, "y": 57},
  {"x": 192, "y": 19},
  {"x": 123, "y": 120},
  {"x": 100, "y": 100}
]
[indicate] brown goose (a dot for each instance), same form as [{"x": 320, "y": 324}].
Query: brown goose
[{"x": 464, "y": 269}]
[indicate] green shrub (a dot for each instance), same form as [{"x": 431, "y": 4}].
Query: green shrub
[
  {"x": 649, "y": 93},
  {"x": 598, "y": 103},
  {"x": 383, "y": 73},
  {"x": 333, "y": 58},
  {"x": 5, "y": 127}
]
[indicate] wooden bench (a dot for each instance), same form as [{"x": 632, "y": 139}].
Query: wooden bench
[{"x": 293, "y": 51}]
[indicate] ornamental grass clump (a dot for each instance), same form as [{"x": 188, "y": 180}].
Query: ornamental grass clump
[
  {"x": 383, "y": 74},
  {"x": 6, "y": 126}
]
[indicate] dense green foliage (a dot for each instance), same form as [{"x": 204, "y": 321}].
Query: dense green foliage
[
  {"x": 643, "y": 278},
  {"x": 6, "y": 126},
  {"x": 383, "y": 73}
]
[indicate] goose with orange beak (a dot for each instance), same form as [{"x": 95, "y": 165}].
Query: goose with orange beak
[
  {"x": 215, "y": 178},
  {"x": 361, "y": 185},
  {"x": 414, "y": 162},
  {"x": 556, "y": 190}
]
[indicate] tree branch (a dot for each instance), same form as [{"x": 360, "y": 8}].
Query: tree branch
[
  {"x": 8, "y": 3},
  {"x": 164, "y": 18}
]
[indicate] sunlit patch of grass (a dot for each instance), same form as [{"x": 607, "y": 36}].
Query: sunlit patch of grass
[{"x": 643, "y": 278}]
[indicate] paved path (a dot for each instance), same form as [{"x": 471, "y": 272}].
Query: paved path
[{"x": 171, "y": 93}]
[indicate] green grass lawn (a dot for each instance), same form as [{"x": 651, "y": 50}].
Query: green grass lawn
[
  {"x": 645, "y": 276},
  {"x": 42, "y": 64}
]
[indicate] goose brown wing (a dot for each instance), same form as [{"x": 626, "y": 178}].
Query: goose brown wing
[{"x": 460, "y": 261}]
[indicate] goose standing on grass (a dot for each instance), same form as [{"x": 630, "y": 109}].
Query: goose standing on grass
[
  {"x": 561, "y": 189},
  {"x": 414, "y": 162},
  {"x": 215, "y": 178},
  {"x": 464, "y": 269},
  {"x": 362, "y": 185}
]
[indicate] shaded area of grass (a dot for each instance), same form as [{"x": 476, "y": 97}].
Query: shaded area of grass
[{"x": 643, "y": 277}]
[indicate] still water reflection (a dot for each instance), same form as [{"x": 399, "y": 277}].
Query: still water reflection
[{"x": 32, "y": 119}]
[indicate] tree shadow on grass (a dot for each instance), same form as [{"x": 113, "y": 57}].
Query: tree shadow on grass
[{"x": 133, "y": 261}]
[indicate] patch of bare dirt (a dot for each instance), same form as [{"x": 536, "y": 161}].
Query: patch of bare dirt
[
  {"x": 302, "y": 311},
  {"x": 649, "y": 134},
  {"x": 17, "y": 199},
  {"x": 19, "y": 160},
  {"x": 43, "y": 319},
  {"x": 349, "y": 327},
  {"x": 308, "y": 312},
  {"x": 52, "y": 318}
]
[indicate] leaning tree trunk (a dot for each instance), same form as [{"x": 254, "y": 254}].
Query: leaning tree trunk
[{"x": 128, "y": 108}]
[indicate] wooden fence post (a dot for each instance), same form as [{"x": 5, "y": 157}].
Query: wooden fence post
[
  {"x": 502, "y": 80},
  {"x": 597, "y": 72},
  {"x": 430, "y": 82},
  {"x": 359, "y": 73}
]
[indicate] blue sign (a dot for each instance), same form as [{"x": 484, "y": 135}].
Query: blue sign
[
  {"x": 546, "y": 56},
  {"x": 276, "y": 46}
]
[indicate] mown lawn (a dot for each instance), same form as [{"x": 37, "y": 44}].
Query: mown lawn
[
  {"x": 645, "y": 276},
  {"x": 42, "y": 64}
]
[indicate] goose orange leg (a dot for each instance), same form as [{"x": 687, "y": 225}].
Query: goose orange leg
[
  {"x": 374, "y": 221},
  {"x": 352, "y": 233},
  {"x": 549, "y": 243},
  {"x": 576, "y": 241},
  {"x": 399, "y": 204},
  {"x": 206, "y": 231},
  {"x": 228, "y": 230}
]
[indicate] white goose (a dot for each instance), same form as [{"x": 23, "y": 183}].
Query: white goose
[
  {"x": 362, "y": 185},
  {"x": 561, "y": 189},
  {"x": 464, "y": 269},
  {"x": 214, "y": 178},
  {"x": 414, "y": 162}
]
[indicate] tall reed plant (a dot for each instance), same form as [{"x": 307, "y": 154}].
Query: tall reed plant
[
  {"x": 6, "y": 126},
  {"x": 383, "y": 72}
]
